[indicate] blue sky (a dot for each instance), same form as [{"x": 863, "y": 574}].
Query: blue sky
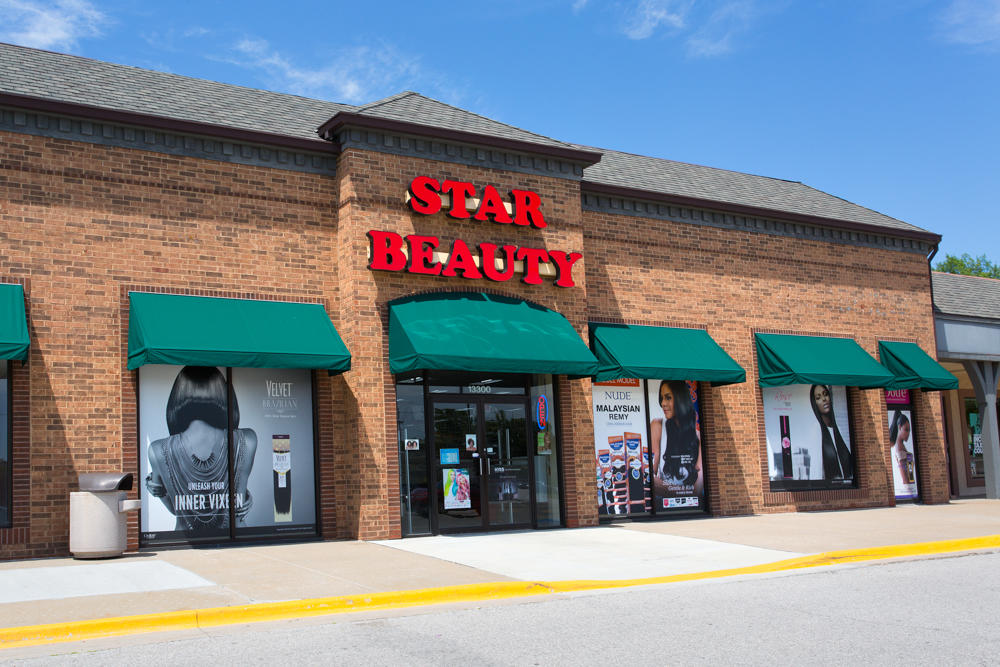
[{"x": 892, "y": 104}]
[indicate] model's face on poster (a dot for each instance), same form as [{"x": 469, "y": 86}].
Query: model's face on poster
[
  {"x": 904, "y": 431},
  {"x": 821, "y": 398},
  {"x": 667, "y": 401}
]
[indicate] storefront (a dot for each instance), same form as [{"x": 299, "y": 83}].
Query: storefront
[
  {"x": 967, "y": 319},
  {"x": 476, "y": 409},
  {"x": 317, "y": 320}
]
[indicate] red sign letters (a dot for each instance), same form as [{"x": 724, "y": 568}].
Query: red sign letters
[{"x": 415, "y": 253}]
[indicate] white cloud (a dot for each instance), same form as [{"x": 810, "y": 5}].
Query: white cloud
[
  {"x": 579, "y": 5},
  {"x": 649, "y": 15},
  {"x": 49, "y": 25},
  {"x": 972, "y": 22},
  {"x": 715, "y": 36},
  {"x": 707, "y": 29},
  {"x": 351, "y": 76}
]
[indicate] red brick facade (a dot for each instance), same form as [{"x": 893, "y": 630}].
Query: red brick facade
[{"x": 83, "y": 224}]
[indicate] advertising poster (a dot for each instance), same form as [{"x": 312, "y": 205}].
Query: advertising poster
[
  {"x": 808, "y": 437},
  {"x": 675, "y": 445},
  {"x": 901, "y": 448},
  {"x": 457, "y": 487},
  {"x": 184, "y": 453},
  {"x": 622, "y": 470},
  {"x": 276, "y": 405}
]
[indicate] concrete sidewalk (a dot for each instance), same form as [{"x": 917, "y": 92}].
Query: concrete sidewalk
[{"x": 157, "y": 582}]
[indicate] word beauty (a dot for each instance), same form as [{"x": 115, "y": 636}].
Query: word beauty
[
  {"x": 415, "y": 254},
  {"x": 420, "y": 254}
]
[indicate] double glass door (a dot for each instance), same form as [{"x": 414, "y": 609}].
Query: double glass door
[{"x": 481, "y": 462}]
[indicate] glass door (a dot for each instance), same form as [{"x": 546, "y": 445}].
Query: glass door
[
  {"x": 507, "y": 464},
  {"x": 975, "y": 470},
  {"x": 482, "y": 463},
  {"x": 458, "y": 464}
]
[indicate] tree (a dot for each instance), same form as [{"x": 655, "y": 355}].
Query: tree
[{"x": 967, "y": 265}]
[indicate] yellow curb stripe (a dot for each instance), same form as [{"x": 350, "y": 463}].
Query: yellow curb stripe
[
  {"x": 815, "y": 560},
  {"x": 32, "y": 635}
]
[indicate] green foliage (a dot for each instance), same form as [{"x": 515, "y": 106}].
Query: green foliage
[{"x": 967, "y": 265}]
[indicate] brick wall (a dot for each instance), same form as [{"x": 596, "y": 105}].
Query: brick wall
[
  {"x": 84, "y": 224},
  {"x": 735, "y": 284}
]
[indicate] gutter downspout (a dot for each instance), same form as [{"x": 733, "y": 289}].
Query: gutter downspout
[{"x": 952, "y": 491}]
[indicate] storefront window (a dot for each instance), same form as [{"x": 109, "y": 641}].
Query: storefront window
[
  {"x": 6, "y": 473},
  {"x": 277, "y": 405},
  {"x": 808, "y": 437},
  {"x": 546, "y": 452},
  {"x": 648, "y": 446},
  {"x": 218, "y": 444},
  {"x": 678, "y": 471},
  {"x": 901, "y": 444},
  {"x": 974, "y": 442},
  {"x": 414, "y": 491}
]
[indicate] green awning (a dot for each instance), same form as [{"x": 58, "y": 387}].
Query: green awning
[
  {"x": 483, "y": 333},
  {"x": 661, "y": 353},
  {"x": 785, "y": 360},
  {"x": 204, "y": 331},
  {"x": 913, "y": 368},
  {"x": 14, "y": 341}
]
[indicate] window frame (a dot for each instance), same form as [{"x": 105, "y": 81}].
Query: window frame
[{"x": 7, "y": 499}]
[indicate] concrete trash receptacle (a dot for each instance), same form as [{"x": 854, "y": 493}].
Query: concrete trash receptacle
[{"x": 97, "y": 515}]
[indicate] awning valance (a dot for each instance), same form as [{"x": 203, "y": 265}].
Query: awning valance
[
  {"x": 913, "y": 368},
  {"x": 662, "y": 353},
  {"x": 784, "y": 359},
  {"x": 14, "y": 340},
  {"x": 207, "y": 331},
  {"x": 472, "y": 331}
]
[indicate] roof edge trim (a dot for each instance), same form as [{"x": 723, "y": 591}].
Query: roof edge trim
[
  {"x": 347, "y": 118},
  {"x": 635, "y": 193},
  {"x": 163, "y": 123}
]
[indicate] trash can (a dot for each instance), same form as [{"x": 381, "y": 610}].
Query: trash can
[{"x": 97, "y": 515}]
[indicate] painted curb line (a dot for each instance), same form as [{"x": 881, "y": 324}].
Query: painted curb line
[{"x": 32, "y": 635}]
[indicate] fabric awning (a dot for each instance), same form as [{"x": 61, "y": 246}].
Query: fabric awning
[
  {"x": 913, "y": 368},
  {"x": 662, "y": 353},
  {"x": 205, "y": 331},
  {"x": 14, "y": 340},
  {"x": 784, "y": 359},
  {"x": 471, "y": 331}
]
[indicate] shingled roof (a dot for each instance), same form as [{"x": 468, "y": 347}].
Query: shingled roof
[
  {"x": 966, "y": 296},
  {"x": 48, "y": 76},
  {"x": 668, "y": 177},
  {"x": 76, "y": 80}
]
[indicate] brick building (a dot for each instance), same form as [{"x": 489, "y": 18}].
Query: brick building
[{"x": 182, "y": 246}]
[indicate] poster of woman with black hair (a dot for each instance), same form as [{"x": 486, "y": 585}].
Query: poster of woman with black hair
[
  {"x": 838, "y": 461},
  {"x": 904, "y": 473},
  {"x": 189, "y": 469},
  {"x": 675, "y": 444}
]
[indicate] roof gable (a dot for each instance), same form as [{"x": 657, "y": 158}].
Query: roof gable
[{"x": 411, "y": 107}]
